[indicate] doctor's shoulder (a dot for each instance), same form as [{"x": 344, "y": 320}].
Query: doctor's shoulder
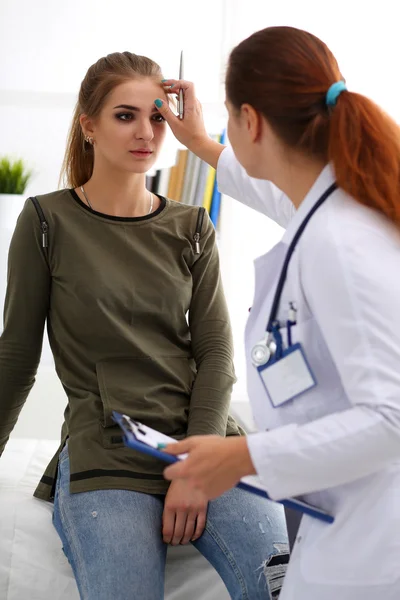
[
  {"x": 354, "y": 223},
  {"x": 346, "y": 231}
]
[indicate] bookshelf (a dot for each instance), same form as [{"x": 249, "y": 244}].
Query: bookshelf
[{"x": 189, "y": 180}]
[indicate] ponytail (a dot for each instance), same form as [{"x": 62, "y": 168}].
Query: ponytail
[
  {"x": 79, "y": 156},
  {"x": 364, "y": 148}
]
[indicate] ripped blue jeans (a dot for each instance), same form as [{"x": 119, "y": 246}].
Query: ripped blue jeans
[{"x": 112, "y": 539}]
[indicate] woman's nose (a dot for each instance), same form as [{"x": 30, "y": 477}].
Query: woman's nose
[{"x": 145, "y": 130}]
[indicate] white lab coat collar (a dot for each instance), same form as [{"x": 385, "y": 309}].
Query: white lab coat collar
[{"x": 324, "y": 180}]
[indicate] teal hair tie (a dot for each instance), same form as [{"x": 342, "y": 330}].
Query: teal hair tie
[{"x": 334, "y": 92}]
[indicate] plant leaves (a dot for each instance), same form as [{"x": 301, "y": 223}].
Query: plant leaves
[{"x": 13, "y": 176}]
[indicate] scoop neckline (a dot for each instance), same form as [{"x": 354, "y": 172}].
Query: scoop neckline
[{"x": 163, "y": 203}]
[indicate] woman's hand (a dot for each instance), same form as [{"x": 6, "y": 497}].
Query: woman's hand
[
  {"x": 185, "y": 512},
  {"x": 214, "y": 464},
  {"x": 190, "y": 130}
]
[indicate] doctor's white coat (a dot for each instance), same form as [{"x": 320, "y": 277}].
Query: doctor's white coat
[{"x": 337, "y": 445}]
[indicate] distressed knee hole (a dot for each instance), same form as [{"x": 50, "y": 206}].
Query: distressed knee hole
[{"x": 274, "y": 570}]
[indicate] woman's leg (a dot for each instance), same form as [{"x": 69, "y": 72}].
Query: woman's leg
[
  {"x": 245, "y": 539},
  {"x": 112, "y": 539}
]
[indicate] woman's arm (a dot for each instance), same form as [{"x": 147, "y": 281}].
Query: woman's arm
[
  {"x": 233, "y": 180},
  {"x": 211, "y": 342},
  {"x": 25, "y": 312}
]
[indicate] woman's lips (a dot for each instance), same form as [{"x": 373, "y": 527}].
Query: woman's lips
[{"x": 141, "y": 153}]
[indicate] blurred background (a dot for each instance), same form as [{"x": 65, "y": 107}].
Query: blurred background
[{"x": 46, "y": 47}]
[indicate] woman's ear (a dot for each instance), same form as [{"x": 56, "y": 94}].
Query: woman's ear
[
  {"x": 251, "y": 121},
  {"x": 87, "y": 126}
]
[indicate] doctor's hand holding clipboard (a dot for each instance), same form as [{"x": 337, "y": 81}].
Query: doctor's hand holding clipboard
[
  {"x": 322, "y": 341},
  {"x": 149, "y": 441}
]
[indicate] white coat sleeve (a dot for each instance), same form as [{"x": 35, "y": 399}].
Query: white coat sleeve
[
  {"x": 349, "y": 280},
  {"x": 259, "y": 194}
]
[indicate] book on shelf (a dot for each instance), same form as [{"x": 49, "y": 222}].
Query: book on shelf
[
  {"x": 216, "y": 197},
  {"x": 190, "y": 181},
  {"x": 171, "y": 193},
  {"x": 180, "y": 175},
  {"x": 201, "y": 183},
  {"x": 163, "y": 182}
]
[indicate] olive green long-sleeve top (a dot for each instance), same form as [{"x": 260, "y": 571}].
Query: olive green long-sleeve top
[{"x": 137, "y": 323}]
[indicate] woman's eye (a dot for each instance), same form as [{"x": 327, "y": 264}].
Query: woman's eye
[
  {"x": 124, "y": 116},
  {"x": 158, "y": 118}
]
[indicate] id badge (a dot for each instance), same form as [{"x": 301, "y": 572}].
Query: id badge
[{"x": 287, "y": 377}]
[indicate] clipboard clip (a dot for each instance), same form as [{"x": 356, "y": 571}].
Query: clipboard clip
[
  {"x": 132, "y": 426},
  {"x": 141, "y": 433}
]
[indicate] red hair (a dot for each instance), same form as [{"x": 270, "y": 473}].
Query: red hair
[{"x": 285, "y": 73}]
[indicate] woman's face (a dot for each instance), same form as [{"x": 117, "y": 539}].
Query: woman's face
[{"x": 129, "y": 131}]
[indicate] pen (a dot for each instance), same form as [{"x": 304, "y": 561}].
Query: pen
[{"x": 180, "y": 102}]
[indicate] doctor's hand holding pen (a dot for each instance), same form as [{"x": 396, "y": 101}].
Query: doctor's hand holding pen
[{"x": 190, "y": 130}]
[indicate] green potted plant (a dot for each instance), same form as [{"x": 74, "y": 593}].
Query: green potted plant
[{"x": 14, "y": 177}]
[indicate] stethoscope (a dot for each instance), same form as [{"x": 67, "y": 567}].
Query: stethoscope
[{"x": 272, "y": 343}]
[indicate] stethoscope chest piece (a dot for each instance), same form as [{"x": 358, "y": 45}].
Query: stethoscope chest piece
[{"x": 262, "y": 352}]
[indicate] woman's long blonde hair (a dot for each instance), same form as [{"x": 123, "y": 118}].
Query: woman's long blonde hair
[{"x": 99, "y": 81}]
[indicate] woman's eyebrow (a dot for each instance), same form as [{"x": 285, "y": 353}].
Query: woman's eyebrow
[{"x": 129, "y": 107}]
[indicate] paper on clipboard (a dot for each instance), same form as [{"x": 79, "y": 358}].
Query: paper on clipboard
[{"x": 150, "y": 436}]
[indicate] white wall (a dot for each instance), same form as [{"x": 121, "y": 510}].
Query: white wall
[
  {"x": 362, "y": 34},
  {"x": 244, "y": 235}
]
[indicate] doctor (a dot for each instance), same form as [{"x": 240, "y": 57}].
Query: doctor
[{"x": 323, "y": 337}]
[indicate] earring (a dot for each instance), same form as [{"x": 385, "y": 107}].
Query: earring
[{"x": 89, "y": 140}]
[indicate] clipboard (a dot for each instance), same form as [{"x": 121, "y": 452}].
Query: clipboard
[{"x": 146, "y": 440}]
